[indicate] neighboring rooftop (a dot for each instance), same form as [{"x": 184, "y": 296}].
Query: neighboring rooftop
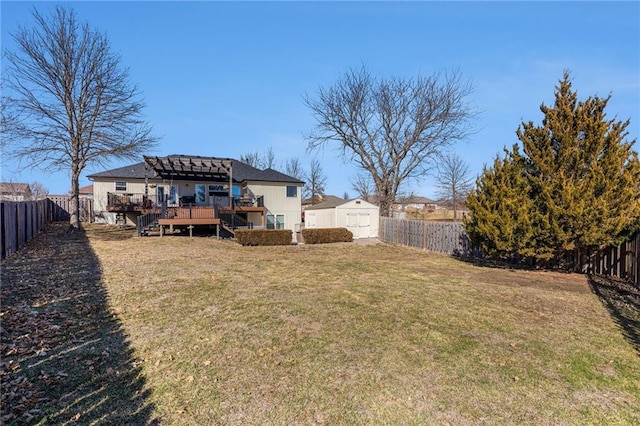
[
  {"x": 414, "y": 199},
  {"x": 14, "y": 188},
  {"x": 15, "y": 191}
]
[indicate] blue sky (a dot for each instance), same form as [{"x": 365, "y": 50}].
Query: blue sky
[{"x": 226, "y": 78}]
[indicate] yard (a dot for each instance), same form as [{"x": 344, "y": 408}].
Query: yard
[{"x": 102, "y": 327}]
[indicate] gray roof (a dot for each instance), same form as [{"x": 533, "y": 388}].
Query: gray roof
[
  {"x": 241, "y": 172},
  {"x": 269, "y": 175},
  {"x": 333, "y": 203},
  {"x": 132, "y": 171}
]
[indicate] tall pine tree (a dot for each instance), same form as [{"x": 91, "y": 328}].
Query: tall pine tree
[{"x": 578, "y": 176}]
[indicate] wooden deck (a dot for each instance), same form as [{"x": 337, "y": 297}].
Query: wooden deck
[{"x": 190, "y": 221}]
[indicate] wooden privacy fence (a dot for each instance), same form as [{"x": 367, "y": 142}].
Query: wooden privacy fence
[
  {"x": 439, "y": 237},
  {"x": 622, "y": 261},
  {"x": 60, "y": 208},
  {"x": 20, "y": 221}
]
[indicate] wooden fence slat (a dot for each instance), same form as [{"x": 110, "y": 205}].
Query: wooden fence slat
[
  {"x": 20, "y": 221},
  {"x": 450, "y": 238}
]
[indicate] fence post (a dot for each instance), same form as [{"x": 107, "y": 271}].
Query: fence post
[{"x": 2, "y": 232}]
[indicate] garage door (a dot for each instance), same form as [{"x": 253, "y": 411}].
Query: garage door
[{"x": 359, "y": 224}]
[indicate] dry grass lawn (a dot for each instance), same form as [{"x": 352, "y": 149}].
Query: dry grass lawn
[{"x": 352, "y": 334}]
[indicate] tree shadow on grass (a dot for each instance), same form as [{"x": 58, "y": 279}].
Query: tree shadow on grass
[
  {"x": 622, "y": 300},
  {"x": 65, "y": 355}
]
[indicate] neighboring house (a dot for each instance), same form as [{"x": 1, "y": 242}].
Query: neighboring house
[
  {"x": 358, "y": 216},
  {"x": 194, "y": 190},
  {"x": 86, "y": 191},
  {"x": 421, "y": 203},
  {"x": 12, "y": 191},
  {"x": 320, "y": 199}
]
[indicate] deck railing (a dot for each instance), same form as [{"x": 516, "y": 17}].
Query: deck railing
[
  {"x": 145, "y": 221},
  {"x": 190, "y": 211},
  {"x": 128, "y": 201},
  {"x": 233, "y": 202}
]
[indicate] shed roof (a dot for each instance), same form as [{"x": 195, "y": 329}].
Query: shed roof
[{"x": 333, "y": 203}]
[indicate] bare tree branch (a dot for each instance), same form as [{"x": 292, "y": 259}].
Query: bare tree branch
[
  {"x": 454, "y": 180},
  {"x": 364, "y": 187},
  {"x": 293, "y": 168},
  {"x": 316, "y": 181}
]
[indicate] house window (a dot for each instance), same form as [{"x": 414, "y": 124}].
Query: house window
[
  {"x": 275, "y": 222},
  {"x": 121, "y": 186},
  {"x": 292, "y": 191},
  {"x": 173, "y": 196},
  {"x": 201, "y": 194},
  {"x": 218, "y": 191}
]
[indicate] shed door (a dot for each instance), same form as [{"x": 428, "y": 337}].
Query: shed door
[{"x": 359, "y": 224}]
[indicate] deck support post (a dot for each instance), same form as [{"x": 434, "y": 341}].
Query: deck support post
[
  {"x": 161, "y": 230},
  {"x": 190, "y": 231}
]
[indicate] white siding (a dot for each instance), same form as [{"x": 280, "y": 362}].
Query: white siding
[
  {"x": 360, "y": 217},
  {"x": 276, "y": 201},
  {"x": 274, "y": 194},
  {"x": 100, "y": 190}
]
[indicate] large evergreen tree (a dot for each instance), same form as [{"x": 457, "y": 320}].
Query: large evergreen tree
[{"x": 578, "y": 177}]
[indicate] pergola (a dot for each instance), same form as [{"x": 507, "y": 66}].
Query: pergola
[{"x": 192, "y": 168}]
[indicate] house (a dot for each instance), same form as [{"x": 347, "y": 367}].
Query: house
[
  {"x": 401, "y": 204},
  {"x": 357, "y": 215},
  {"x": 307, "y": 202},
  {"x": 186, "y": 191},
  {"x": 12, "y": 191},
  {"x": 86, "y": 191}
]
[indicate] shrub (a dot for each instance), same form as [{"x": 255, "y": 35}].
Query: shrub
[
  {"x": 327, "y": 235},
  {"x": 264, "y": 237}
]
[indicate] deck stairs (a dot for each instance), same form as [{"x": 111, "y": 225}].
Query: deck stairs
[{"x": 148, "y": 223}]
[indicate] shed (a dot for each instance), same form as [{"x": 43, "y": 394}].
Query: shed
[{"x": 358, "y": 216}]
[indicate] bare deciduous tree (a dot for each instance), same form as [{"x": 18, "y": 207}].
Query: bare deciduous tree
[
  {"x": 38, "y": 190},
  {"x": 316, "y": 181},
  {"x": 252, "y": 158},
  {"x": 293, "y": 168},
  {"x": 454, "y": 180},
  {"x": 260, "y": 161},
  {"x": 269, "y": 159},
  {"x": 364, "y": 187},
  {"x": 391, "y": 128},
  {"x": 67, "y": 101}
]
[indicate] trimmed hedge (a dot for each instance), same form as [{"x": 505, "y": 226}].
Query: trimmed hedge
[
  {"x": 327, "y": 235},
  {"x": 264, "y": 237}
]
